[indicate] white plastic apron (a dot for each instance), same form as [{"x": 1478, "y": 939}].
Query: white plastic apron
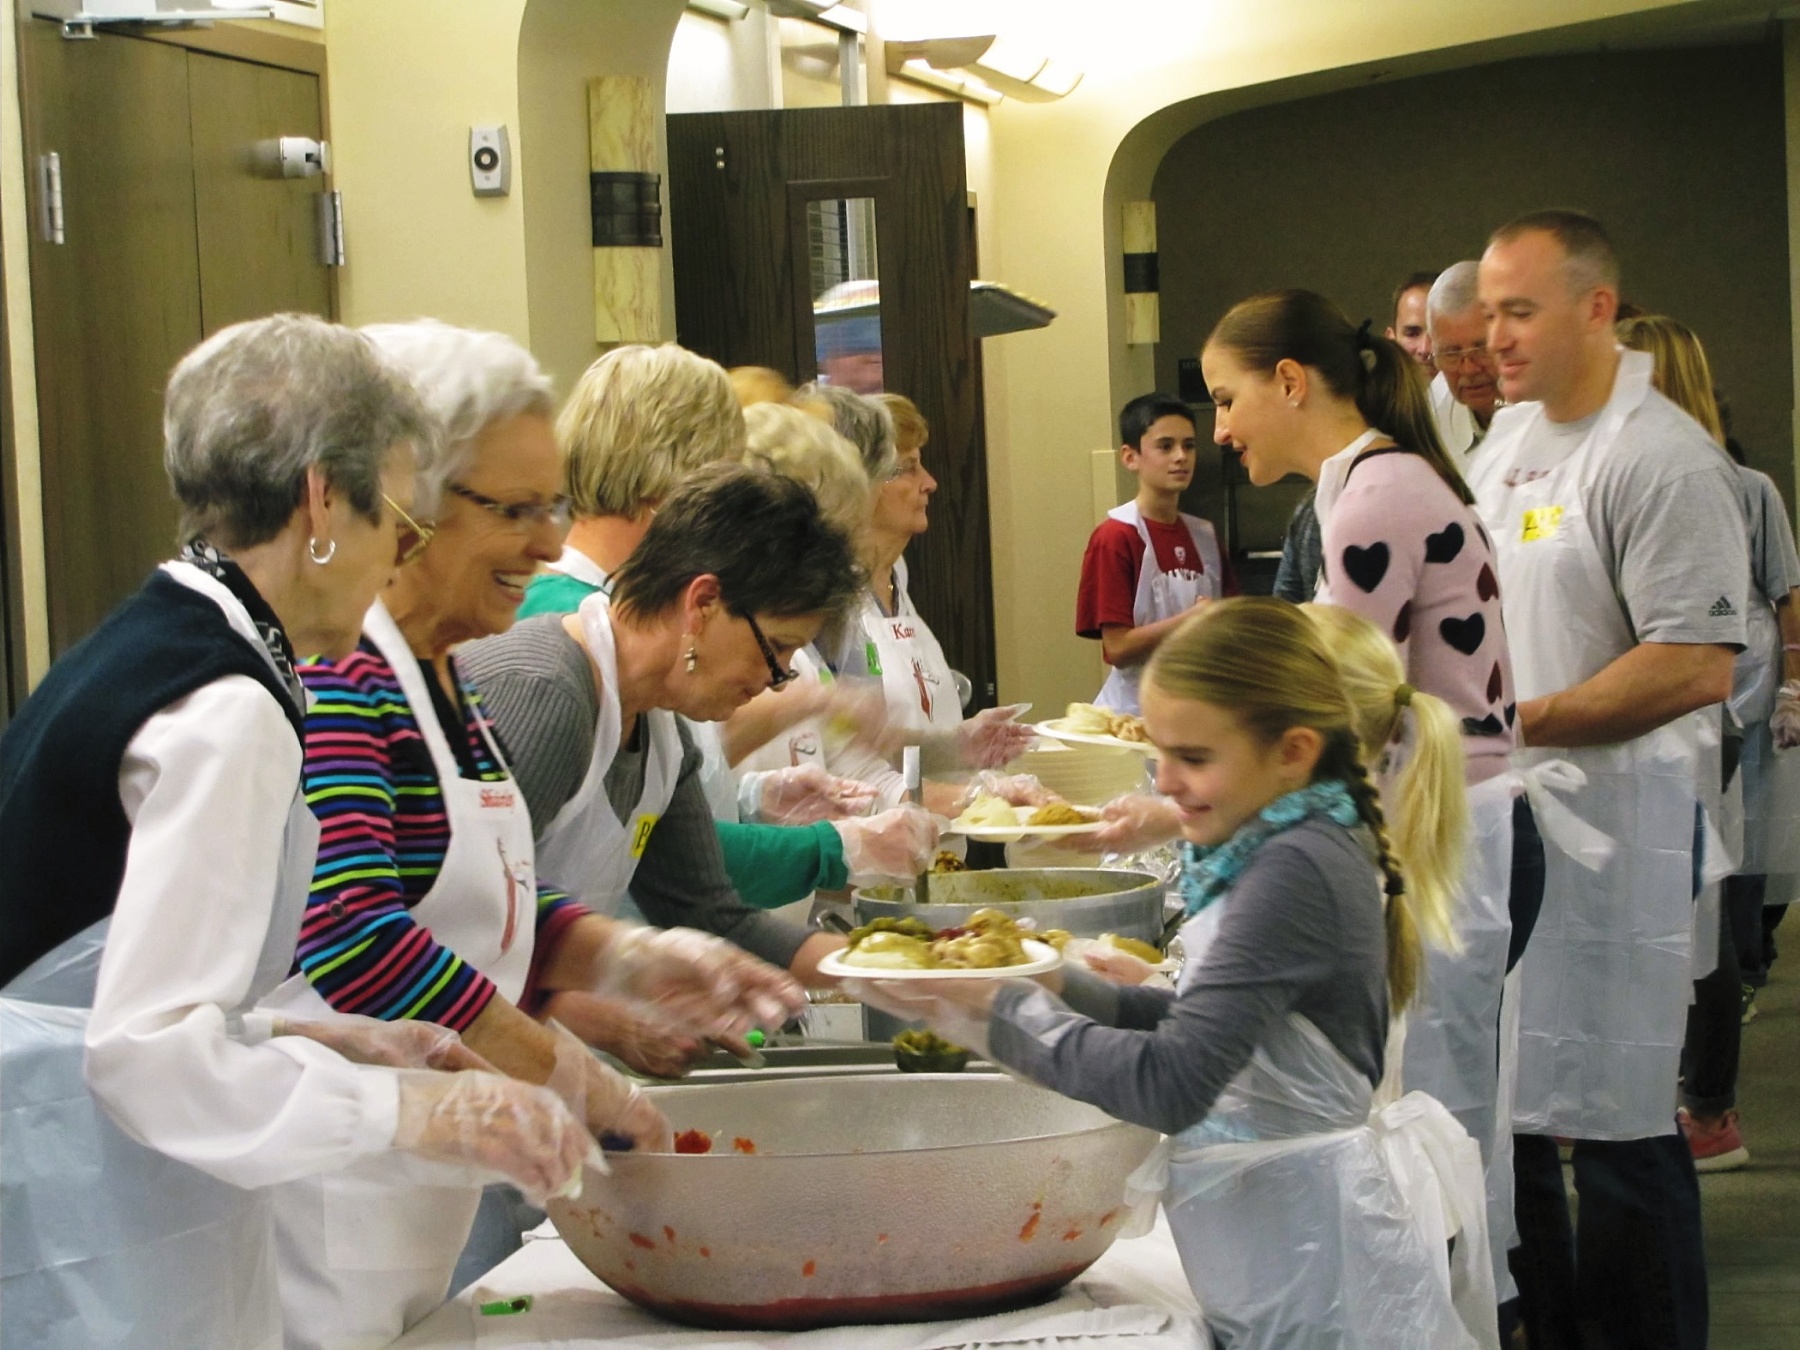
[
  {"x": 905, "y": 656},
  {"x": 1770, "y": 778},
  {"x": 365, "y": 1252},
  {"x": 586, "y": 847},
  {"x": 111, "y": 1245},
  {"x": 805, "y": 741},
  {"x": 1453, "y": 1032},
  {"x": 575, "y": 563},
  {"x": 1334, "y": 476},
  {"x": 1307, "y": 1219},
  {"x": 1604, "y": 985},
  {"x": 1160, "y": 595}
]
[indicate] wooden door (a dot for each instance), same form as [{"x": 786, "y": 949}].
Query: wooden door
[
  {"x": 258, "y": 235},
  {"x": 739, "y": 187},
  {"x": 114, "y": 307},
  {"x": 172, "y": 231}
]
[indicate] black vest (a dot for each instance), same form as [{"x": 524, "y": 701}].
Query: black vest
[{"x": 63, "y": 832}]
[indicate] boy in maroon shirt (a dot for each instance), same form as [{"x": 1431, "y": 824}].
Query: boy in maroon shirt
[{"x": 1148, "y": 564}]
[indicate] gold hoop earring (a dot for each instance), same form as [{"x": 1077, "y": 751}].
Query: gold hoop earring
[{"x": 312, "y": 550}]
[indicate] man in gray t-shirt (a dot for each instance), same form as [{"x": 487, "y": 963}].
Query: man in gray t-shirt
[{"x": 1624, "y": 573}]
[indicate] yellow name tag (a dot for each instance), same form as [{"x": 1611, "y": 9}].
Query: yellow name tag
[
  {"x": 1541, "y": 522},
  {"x": 640, "y": 834}
]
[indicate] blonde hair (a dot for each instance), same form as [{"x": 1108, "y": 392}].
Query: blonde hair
[
  {"x": 1431, "y": 808},
  {"x": 787, "y": 441},
  {"x": 911, "y": 430},
  {"x": 1683, "y": 374},
  {"x": 1261, "y": 660},
  {"x": 639, "y": 420},
  {"x": 760, "y": 384}
]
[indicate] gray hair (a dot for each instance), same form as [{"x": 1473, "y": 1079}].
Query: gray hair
[
  {"x": 468, "y": 379},
  {"x": 800, "y": 446},
  {"x": 640, "y": 419},
  {"x": 861, "y": 421},
  {"x": 250, "y": 410},
  {"x": 1456, "y": 291}
]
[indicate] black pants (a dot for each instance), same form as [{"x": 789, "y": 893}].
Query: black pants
[
  {"x": 1633, "y": 1275},
  {"x": 1715, "y": 1021}
]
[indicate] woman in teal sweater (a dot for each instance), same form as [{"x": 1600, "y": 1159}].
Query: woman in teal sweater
[{"x": 637, "y": 422}]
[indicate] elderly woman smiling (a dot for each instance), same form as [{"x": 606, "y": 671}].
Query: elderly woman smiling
[
  {"x": 425, "y": 903},
  {"x": 158, "y": 855}
]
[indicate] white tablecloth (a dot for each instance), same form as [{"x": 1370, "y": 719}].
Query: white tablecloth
[{"x": 1133, "y": 1298}]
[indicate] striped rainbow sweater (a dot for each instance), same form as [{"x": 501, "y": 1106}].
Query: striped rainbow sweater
[{"x": 383, "y": 834}]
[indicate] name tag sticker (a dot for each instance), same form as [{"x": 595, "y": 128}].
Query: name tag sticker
[
  {"x": 1540, "y": 522},
  {"x": 640, "y": 834}
]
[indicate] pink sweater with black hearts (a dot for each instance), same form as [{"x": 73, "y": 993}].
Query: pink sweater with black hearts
[{"x": 1405, "y": 553}]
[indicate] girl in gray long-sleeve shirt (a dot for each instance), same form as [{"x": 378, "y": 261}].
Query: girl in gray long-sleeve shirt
[{"x": 1302, "y": 936}]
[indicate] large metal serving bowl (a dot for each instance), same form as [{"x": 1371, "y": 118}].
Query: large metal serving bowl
[
  {"x": 881, "y": 1199},
  {"x": 1086, "y": 901}
]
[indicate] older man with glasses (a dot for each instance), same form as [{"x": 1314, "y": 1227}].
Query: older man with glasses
[{"x": 1465, "y": 392}]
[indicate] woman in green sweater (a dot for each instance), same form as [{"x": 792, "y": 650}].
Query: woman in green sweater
[{"x": 639, "y": 420}]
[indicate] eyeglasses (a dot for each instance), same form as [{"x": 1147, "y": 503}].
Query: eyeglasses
[
  {"x": 422, "y": 533},
  {"x": 777, "y": 676},
  {"x": 518, "y": 515},
  {"x": 1447, "y": 357}
]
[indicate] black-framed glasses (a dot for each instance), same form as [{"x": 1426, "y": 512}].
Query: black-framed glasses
[
  {"x": 422, "y": 533},
  {"x": 518, "y": 515},
  {"x": 777, "y": 676}
]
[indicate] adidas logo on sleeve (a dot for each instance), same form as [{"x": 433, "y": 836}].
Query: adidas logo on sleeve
[{"x": 1722, "y": 609}]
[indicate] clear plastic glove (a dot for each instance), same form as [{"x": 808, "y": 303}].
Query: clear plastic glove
[
  {"x": 499, "y": 1125},
  {"x": 1133, "y": 823},
  {"x": 1784, "y": 722},
  {"x": 613, "y": 1107},
  {"x": 623, "y": 1031},
  {"x": 804, "y": 794},
  {"x": 855, "y": 712},
  {"x": 394, "y": 1045},
  {"x": 1016, "y": 789},
  {"x": 1115, "y": 966},
  {"x": 958, "y": 1010},
  {"x": 993, "y": 737},
  {"x": 697, "y": 984},
  {"x": 896, "y": 845}
]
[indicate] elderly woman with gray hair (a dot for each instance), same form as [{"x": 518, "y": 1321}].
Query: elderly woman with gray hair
[
  {"x": 425, "y": 903},
  {"x": 158, "y": 857}
]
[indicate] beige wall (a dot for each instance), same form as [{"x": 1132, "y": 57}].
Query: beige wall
[{"x": 1062, "y": 170}]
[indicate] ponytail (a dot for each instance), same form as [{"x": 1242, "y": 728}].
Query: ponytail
[
  {"x": 1387, "y": 386},
  {"x": 1415, "y": 742}
]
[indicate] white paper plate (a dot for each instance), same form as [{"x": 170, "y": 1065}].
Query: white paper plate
[
  {"x": 1078, "y": 949},
  {"x": 1043, "y": 957},
  {"x": 1055, "y": 729},
  {"x": 1006, "y": 834}
]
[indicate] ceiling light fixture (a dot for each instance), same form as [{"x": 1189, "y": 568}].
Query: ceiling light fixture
[{"x": 1002, "y": 64}]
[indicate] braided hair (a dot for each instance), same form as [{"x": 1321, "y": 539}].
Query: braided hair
[{"x": 1263, "y": 660}]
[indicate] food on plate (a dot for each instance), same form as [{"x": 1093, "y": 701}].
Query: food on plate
[
  {"x": 1132, "y": 946},
  {"x": 988, "y": 940},
  {"x": 1130, "y": 727},
  {"x": 1088, "y": 719},
  {"x": 1055, "y": 937},
  {"x": 1059, "y": 813},
  {"x": 925, "y": 1052},
  {"x": 892, "y": 951},
  {"x": 693, "y": 1141},
  {"x": 948, "y": 862},
  {"x": 988, "y": 812}
]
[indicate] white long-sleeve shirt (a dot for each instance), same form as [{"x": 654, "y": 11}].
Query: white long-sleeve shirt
[{"x": 207, "y": 785}]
